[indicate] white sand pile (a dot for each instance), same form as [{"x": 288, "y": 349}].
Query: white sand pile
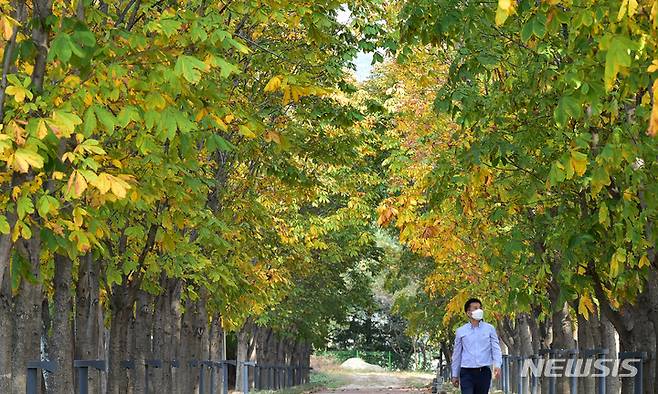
[{"x": 357, "y": 364}]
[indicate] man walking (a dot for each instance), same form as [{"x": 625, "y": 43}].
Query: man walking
[{"x": 476, "y": 350}]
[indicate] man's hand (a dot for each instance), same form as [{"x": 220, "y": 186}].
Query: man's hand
[
  {"x": 455, "y": 382},
  {"x": 496, "y": 372}
]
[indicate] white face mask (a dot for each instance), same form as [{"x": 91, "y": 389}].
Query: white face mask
[{"x": 477, "y": 314}]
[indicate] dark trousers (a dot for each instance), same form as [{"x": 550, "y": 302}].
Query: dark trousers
[{"x": 475, "y": 380}]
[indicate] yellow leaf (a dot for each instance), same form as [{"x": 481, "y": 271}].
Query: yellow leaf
[
  {"x": 78, "y": 214},
  {"x": 618, "y": 258},
  {"x": 604, "y": 215},
  {"x": 653, "y": 67},
  {"x": 6, "y": 25},
  {"x": 632, "y": 7},
  {"x": 42, "y": 130},
  {"x": 455, "y": 306},
  {"x": 219, "y": 121},
  {"x": 505, "y": 4},
  {"x": 18, "y": 132},
  {"x": 80, "y": 184},
  {"x": 119, "y": 186},
  {"x": 229, "y": 118},
  {"x": 102, "y": 183},
  {"x": 17, "y": 91},
  {"x": 25, "y": 158},
  {"x": 286, "y": 95},
  {"x": 644, "y": 261},
  {"x": 614, "y": 266},
  {"x": 504, "y": 10},
  {"x": 273, "y": 136},
  {"x": 578, "y": 162},
  {"x": 245, "y": 131},
  {"x": 653, "y": 119},
  {"x": 273, "y": 84},
  {"x": 201, "y": 114},
  {"x": 622, "y": 10},
  {"x": 585, "y": 306},
  {"x": 296, "y": 92}
]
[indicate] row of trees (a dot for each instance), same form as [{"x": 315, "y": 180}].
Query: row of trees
[
  {"x": 173, "y": 170},
  {"x": 525, "y": 171}
]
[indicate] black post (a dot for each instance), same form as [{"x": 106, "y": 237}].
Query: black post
[
  {"x": 224, "y": 377},
  {"x": 33, "y": 368},
  {"x": 638, "y": 385},
  {"x": 595, "y": 354},
  {"x": 83, "y": 372},
  {"x": 270, "y": 377},
  {"x": 245, "y": 376},
  {"x": 505, "y": 374}
]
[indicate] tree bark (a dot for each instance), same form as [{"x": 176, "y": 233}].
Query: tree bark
[
  {"x": 608, "y": 341},
  {"x": 122, "y": 310},
  {"x": 61, "y": 344},
  {"x": 27, "y": 308},
  {"x": 242, "y": 354},
  {"x": 215, "y": 350},
  {"x": 173, "y": 330},
  {"x": 160, "y": 317},
  {"x": 141, "y": 349},
  {"x": 87, "y": 311},
  {"x": 6, "y": 332}
]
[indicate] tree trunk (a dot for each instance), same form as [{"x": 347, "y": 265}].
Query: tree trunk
[
  {"x": 194, "y": 343},
  {"x": 27, "y": 308},
  {"x": 141, "y": 349},
  {"x": 173, "y": 330},
  {"x": 61, "y": 344},
  {"x": 242, "y": 354},
  {"x": 636, "y": 325},
  {"x": 122, "y": 310},
  {"x": 608, "y": 341},
  {"x": 215, "y": 350},
  {"x": 87, "y": 311},
  {"x": 6, "y": 331},
  {"x": 160, "y": 316},
  {"x": 588, "y": 333}
]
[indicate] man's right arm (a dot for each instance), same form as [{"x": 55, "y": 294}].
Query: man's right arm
[{"x": 457, "y": 356}]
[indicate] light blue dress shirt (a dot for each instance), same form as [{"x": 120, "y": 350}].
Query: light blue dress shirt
[{"x": 476, "y": 347}]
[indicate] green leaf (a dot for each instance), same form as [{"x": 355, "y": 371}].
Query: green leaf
[
  {"x": 127, "y": 115},
  {"x": 113, "y": 275},
  {"x": 618, "y": 56},
  {"x": 567, "y": 107},
  {"x": 89, "y": 122},
  {"x": 226, "y": 68},
  {"x": 63, "y": 123},
  {"x": 106, "y": 118},
  {"x": 190, "y": 68},
  {"x": 60, "y": 47},
  {"x": 84, "y": 37},
  {"x": 246, "y": 131},
  {"x": 216, "y": 142},
  {"x": 604, "y": 216},
  {"x": 24, "y": 206},
  {"x": 47, "y": 204},
  {"x": 599, "y": 179},
  {"x": 4, "y": 225}
]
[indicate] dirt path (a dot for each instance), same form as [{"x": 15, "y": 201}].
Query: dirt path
[{"x": 382, "y": 382}]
